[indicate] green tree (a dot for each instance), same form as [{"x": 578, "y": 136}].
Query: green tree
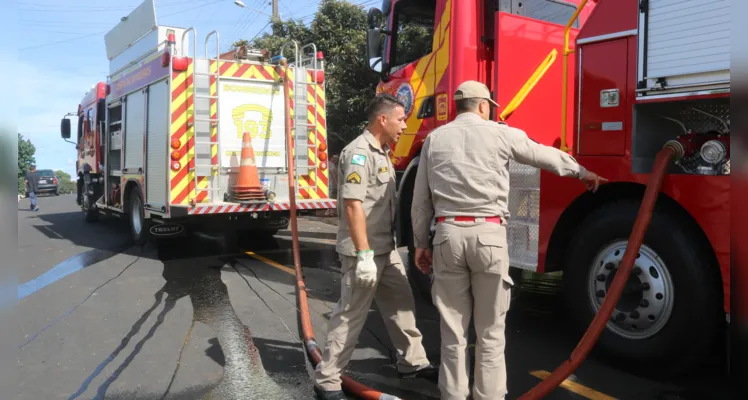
[
  {"x": 65, "y": 185},
  {"x": 339, "y": 31},
  {"x": 26, "y": 157}
]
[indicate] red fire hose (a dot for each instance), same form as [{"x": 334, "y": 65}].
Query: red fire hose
[
  {"x": 349, "y": 384},
  {"x": 672, "y": 150}
]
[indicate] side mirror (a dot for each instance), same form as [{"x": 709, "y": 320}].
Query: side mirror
[
  {"x": 374, "y": 50},
  {"x": 374, "y": 18},
  {"x": 65, "y": 128}
]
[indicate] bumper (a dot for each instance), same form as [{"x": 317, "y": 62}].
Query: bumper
[
  {"x": 230, "y": 208},
  {"x": 47, "y": 189}
]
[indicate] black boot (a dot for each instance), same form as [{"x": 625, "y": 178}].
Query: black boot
[
  {"x": 428, "y": 372},
  {"x": 329, "y": 394}
]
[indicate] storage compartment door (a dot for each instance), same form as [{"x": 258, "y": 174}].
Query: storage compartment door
[
  {"x": 603, "y": 124},
  {"x": 134, "y": 129},
  {"x": 685, "y": 42},
  {"x": 156, "y": 144}
]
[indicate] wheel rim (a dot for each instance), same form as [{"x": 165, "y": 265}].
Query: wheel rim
[
  {"x": 646, "y": 302},
  {"x": 137, "y": 224}
]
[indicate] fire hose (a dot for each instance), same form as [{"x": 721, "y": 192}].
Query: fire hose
[
  {"x": 672, "y": 150},
  {"x": 352, "y": 386}
]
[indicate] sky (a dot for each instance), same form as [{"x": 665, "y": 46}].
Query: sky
[{"x": 61, "y": 53}]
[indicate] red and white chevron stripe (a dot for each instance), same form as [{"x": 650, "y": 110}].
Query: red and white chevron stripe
[{"x": 204, "y": 209}]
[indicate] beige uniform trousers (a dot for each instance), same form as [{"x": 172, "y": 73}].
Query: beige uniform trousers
[
  {"x": 397, "y": 306},
  {"x": 471, "y": 276}
]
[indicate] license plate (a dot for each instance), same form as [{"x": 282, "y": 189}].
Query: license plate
[{"x": 42, "y": 181}]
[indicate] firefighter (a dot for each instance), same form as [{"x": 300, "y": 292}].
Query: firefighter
[
  {"x": 370, "y": 263},
  {"x": 463, "y": 181}
]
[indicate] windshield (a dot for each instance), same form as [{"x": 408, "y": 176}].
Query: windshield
[
  {"x": 413, "y": 31},
  {"x": 47, "y": 173}
]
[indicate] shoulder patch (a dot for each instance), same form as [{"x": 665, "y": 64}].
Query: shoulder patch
[
  {"x": 353, "y": 177},
  {"x": 383, "y": 169},
  {"x": 358, "y": 159}
]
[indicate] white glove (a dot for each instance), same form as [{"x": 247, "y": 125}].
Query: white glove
[{"x": 366, "y": 270}]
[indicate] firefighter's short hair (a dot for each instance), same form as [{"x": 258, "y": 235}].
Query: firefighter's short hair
[{"x": 381, "y": 104}]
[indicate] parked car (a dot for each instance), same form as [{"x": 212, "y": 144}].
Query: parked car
[{"x": 48, "y": 182}]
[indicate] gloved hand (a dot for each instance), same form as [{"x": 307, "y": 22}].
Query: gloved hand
[{"x": 366, "y": 270}]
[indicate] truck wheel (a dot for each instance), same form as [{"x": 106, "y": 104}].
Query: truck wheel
[
  {"x": 138, "y": 223},
  {"x": 91, "y": 214},
  {"x": 668, "y": 315}
]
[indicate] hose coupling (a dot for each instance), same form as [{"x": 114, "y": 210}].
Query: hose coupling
[{"x": 678, "y": 149}]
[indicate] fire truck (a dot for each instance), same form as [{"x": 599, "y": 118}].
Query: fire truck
[
  {"x": 160, "y": 142},
  {"x": 610, "y": 82}
]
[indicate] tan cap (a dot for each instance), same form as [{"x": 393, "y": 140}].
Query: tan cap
[{"x": 472, "y": 90}]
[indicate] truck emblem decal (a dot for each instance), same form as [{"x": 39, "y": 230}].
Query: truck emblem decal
[
  {"x": 405, "y": 94},
  {"x": 166, "y": 229}
]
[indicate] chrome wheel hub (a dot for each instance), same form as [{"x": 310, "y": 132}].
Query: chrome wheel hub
[{"x": 647, "y": 300}]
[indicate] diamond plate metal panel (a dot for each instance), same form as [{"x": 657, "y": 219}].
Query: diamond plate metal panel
[
  {"x": 275, "y": 181},
  {"x": 524, "y": 213}
]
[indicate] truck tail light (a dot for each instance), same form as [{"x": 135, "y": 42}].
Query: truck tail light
[
  {"x": 176, "y": 166},
  {"x": 179, "y": 63},
  {"x": 319, "y": 77},
  {"x": 175, "y": 155}
]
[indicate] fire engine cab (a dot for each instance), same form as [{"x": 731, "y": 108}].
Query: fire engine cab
[
  {"x": 610, "y": 82},
  {"x": 161, "y": 141}
]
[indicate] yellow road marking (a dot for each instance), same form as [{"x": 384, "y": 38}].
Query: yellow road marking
[
  {"x": 575, "y": 387},
  {"x": 271, "y": 262}
]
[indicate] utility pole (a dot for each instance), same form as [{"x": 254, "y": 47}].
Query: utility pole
[{"x": 275, "y": 17}]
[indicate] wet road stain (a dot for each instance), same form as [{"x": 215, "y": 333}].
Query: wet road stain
[
  {"x": 193, "y": 270},
  {"x": 63, "y": 269},
  {"x": 58, "y": 319}
]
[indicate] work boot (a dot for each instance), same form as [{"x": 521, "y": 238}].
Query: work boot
[
  {"x": 428, "y": 372},
  {"x": 329, "y": 394}
]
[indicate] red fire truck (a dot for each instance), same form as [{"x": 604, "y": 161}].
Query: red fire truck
[
  {"x": 160, "y": 141},
  {"x": 635, "y": 74}
]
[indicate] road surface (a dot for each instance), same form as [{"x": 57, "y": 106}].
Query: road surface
[{"x": 197, "y": 319}]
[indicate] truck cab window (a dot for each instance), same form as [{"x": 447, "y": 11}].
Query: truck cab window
[
  {"x": 413, "y": 28},
  {"x": 553, "y": 11}
]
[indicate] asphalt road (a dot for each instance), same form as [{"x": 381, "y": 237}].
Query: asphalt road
[{"x": 196, "y": 319}]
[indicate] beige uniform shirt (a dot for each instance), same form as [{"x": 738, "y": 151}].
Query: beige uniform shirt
[
  {"x": 365, "y": 173},
  {"x": 464, "y": 170}
]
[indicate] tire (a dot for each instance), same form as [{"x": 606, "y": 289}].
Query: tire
[
  {"x": 90, "y": 213},
  {"x": 136, "y": 216},
  {"x": 673, "y": 324}
]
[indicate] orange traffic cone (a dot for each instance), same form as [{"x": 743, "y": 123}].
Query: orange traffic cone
[{"x": 248, "y": 184}]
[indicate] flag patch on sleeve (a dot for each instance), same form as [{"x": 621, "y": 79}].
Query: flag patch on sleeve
[{"x": 358, "y": 159}]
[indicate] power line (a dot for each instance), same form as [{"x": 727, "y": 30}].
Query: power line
[{"x": 62, "y": 41}]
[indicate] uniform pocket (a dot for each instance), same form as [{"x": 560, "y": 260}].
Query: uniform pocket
[
  {"x": 492, "y": 253},
  {"x": 442, "y": 252},
  {"x": 506, "y": 296}
]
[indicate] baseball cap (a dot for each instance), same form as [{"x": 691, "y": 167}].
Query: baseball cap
[{"x": 473, "y": 89}]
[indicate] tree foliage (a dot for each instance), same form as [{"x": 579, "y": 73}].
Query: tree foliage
[
  {"x": 26, "y": 151},
  {"x": 339, "y": 31},
  {"x": 65, "y": 185}
]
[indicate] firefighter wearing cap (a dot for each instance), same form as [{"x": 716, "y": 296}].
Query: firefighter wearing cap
[
  {"x": 463, "y": 181},
  {"x": 371, "y": 266}
]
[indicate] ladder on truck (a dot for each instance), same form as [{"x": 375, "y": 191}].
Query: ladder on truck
[
  {"x": 205, "y": 124},
  {"x": 304, "y": 62}
]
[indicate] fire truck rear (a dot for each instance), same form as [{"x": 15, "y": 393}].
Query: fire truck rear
[
  {"x": 161, "y": 142},
  {"x": 611, "y": 82}
]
